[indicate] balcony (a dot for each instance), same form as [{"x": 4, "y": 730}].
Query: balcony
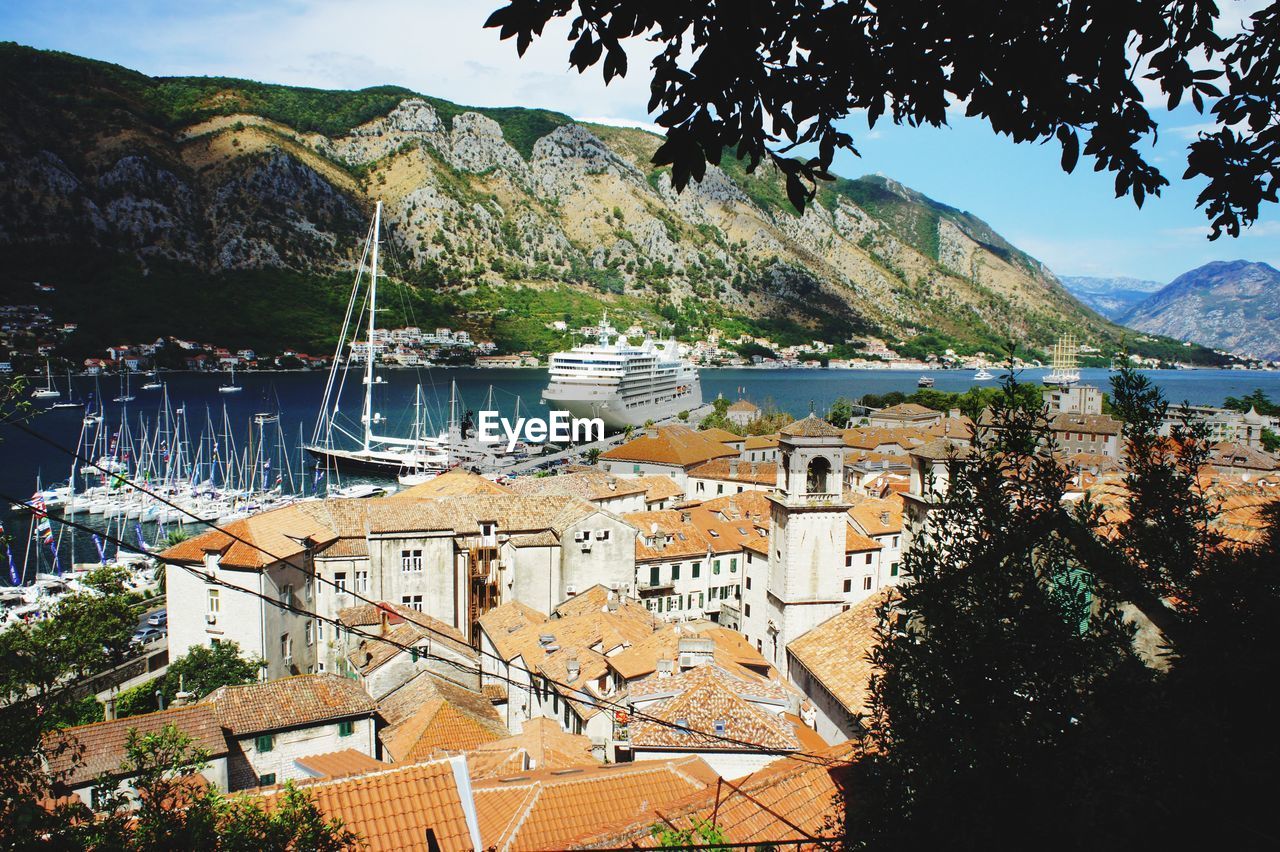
[{"x": 650, "y": 589}]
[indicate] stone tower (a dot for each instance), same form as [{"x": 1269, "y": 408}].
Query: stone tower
[{"x": 807, "y": 533}]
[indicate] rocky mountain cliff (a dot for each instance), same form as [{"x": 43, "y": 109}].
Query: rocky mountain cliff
[
  {"x": 233, "y": 210},
  {"x": 1232, "y": 305},
  {"x": 1110, "y": 297}
]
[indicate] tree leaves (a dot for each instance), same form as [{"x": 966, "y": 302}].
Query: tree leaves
[{"x": 765, "y": 78}]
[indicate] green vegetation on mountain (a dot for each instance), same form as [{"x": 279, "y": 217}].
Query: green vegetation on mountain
[{"x": 232, "y": 212}]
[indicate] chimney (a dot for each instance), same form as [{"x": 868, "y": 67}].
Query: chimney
[
  {"x": 685, "y": 517},
  {"x": 652, "y": 431},
  {"x": 573, "y": 668},
  {"x": 109, "y": 708},
  {"x": 884, "y": 519},
  {"x": 954, "y": 413},
  {"x": 382, "y": 622},
  {"x": 733, "y": 467},
  {"x": 664, "y": 668}
]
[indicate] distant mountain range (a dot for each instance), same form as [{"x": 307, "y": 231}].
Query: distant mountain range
[
  {"x": 1232, "y": 305},
  {"x": 231, "y": 211},
  {"x": 1110, "y": 297}
]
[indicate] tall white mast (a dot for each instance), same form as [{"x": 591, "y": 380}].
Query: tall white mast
[{"x": 373, "y": 312}]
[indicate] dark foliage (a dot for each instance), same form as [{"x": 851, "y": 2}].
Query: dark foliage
[{"x": 761, "y": 78}]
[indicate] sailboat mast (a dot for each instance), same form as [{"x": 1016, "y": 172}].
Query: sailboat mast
[{"x": 373, "y": 315}]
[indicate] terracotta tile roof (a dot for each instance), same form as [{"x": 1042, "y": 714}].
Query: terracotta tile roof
[
  {"x": 789, "y": 799},
  {"x": 593, "y": 485},
  {"x": 812, "y": 426},
  {"x": 659, "y": 488},
  {"x": 429, "y": 714},
  {"x": 259, "y": 540},
  {"x": 1238, "y": 456},
  {"x": 733, "y": 470},
  {"x": 540, "y": 745},
  {"x": 835, "y": 653},
  {"x": 724, "y": 436},
  {"x": 502, "y": 622},
  {"x": 339, "y": 764},
  {"x": 875, "y": 516},
  {"x": 671, "y": 445},
  {"x": 288, "y": 702},
  {"x": 951, "y": 427},
  {"x": 543, "y": 810},
  {"x": 595, "y": 599},
  {"x": 731, "y": 652},
  {"x": 1240, "y": 507},
  {"x": 103, "y": 743},
  {"x": 856, "y": 542},
  {"x": 1094, "y": 424},
  {"x": 665, "y": 534},
  {"x": 707, "y": 697},
  {"x": 760, "y": 442},
  {"x": 906, "y": 410},
  {"x": 452, "y": 483},
  {"x": 871, "y": 437},
  {"x": 943, "y": 448},
  {"x": 745, "y": 406},
  {"x": 406, "y": 626},
  {"x": 392, "y": 809}
]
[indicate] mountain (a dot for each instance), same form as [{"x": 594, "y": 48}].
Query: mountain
[
  {"x": 232, "y": 211},
  {"x": 1110, "y": 297},
  {"x": 1232, "y": 305}
]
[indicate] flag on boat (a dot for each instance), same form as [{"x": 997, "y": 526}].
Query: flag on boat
[
  {"x": 142, "y": 542},
  {"x": 38, "y": 507},
  {"x": 102, "y": 554}
]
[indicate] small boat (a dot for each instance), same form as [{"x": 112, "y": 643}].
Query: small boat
[
  {"x": 153, "y": 385},
  {"x": 50, "y": 390},
  {"x": 70, "y": 402},
  {"x": 359, "y": 490},
  {"x": 983, "y": 375},
  {"x": 924, "y": 382},
  {"x": 231, "y": 387}
]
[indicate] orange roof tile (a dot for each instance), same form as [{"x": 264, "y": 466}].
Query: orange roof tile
[
  {"x": 288, "y": 703},
  {"x": 671, "y": 445},
  {"x": 875, "y": 516},
  {"x": 835, "y": 652},
  {"x": 429, "y": 714},
  {"x": 543, "y": 810},
  {"x": 724, "y": 436},
  {"x": 707, "y": 698},
  {"x": 593, "y": 485},
  {"x": 339, "y": 764},
  {"x": 733, "y": 470},
  {"x": 452, "y": 483},
  {"x": 394, "y": 808},
  {"x": 789, "y": 799},
  {"x": 812, "y": 426}
]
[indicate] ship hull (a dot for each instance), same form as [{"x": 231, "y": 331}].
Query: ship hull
[
  {"x": 373, "y": 464},
  {"x": 615, "y": 414}
]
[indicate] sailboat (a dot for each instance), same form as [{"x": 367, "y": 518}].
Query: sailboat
[
  {"x": 376, "y": 454},
  {"x": 153, "y": 383},
  {"x": 125, "y": 394},
  {"x": 92, "y": 416},
  {"x": 50, "y": 390},
  {"x": 69, "y": 402},
  {"x": 231, "y": 387}
]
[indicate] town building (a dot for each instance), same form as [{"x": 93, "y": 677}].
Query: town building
[
  {"x": 1099, "y": 434},
  {"x": 1072, "y": 399},
  {"x": 905, "y": 415},
  {"x": 742, "y": 412},
  {"x": 665, "y": 451}
]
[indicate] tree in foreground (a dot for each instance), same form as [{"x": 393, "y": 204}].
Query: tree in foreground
[
  {"x": 198, "y": 672},
  {"x": 758, "y": 79},
  {"x": 1011, "y": 709}
]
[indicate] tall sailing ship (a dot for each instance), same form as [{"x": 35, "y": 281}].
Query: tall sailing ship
[
  {"x": 622, "y": 384},
  {"x": 1065, "y": 369},
  {"x": 341, "y": 445}
]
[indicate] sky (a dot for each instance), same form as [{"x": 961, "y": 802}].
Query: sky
[{"x": 1073, "y": 223}]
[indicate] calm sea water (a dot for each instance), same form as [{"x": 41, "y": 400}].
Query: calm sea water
[{"x": 296, "y": 396}]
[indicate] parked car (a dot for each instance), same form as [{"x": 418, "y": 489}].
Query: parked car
[
  {"x": 159, "y": 618},
  {"x": 147, "y": 635}
]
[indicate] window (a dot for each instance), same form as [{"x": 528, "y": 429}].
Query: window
[
  {"x": 848, "y": 585},
  {"x": 486, "y": 530},
  {"x": 715, "y": 567},
  {"x": 267, "y": 780},
  {"x": 866, "y": 584},
  {"x": 362, "y": 581},
  {"x": 748, "y": 581},
  {"x": 320, "y": 667},
  {"x": 346, "y": 729},
  {"x": 264, "y": 744},
  {"x": 701, "y": 600},
  {"x": 319, "y": 631},
  {"x": 696, "y": 570},
  {"x": 412, "y": 601},
  {"x": 340, "y": 581},
  {"x": 868, "y": 558},
  {"x": 602, "y": 535},
  {"x": 719, "y": 727},
  {"x": 895, "y": 541},
  {"x": 286, "y": 594},
  {"x": 215, "y": 601},
  {"x": 310, "y": 633},
  {"x": 655, "y": 574},
  {"x": 746, "y": 610},
  {"x": 675, "y": 571},
  {"x": 719, "y": 487},
  {"x": 893, "y": 569},
  {"x": 635, "y": 468},
  {"x": 733, "y": 565},
  {"x": 286, "y": 648},
  {"x": 411, "y": 561},
  {"x": 848, "y": 560}
]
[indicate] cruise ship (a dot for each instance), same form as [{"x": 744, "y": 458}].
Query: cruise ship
[{"x": 623, "y": 385}]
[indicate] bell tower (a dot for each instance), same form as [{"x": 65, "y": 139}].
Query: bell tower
[{"x": 807, "y": 533}]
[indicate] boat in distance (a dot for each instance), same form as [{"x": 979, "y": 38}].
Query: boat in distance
[{"x": 621, "y": 383}]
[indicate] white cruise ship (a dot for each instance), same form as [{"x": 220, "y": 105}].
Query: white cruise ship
[{"x": 623, "y": 385}]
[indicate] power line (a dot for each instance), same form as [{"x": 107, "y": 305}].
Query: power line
[{"x": 580, "y": 696}]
